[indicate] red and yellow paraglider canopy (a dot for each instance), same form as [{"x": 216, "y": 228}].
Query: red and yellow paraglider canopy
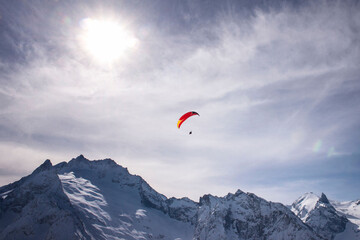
[{"x": 185, "y": 116}]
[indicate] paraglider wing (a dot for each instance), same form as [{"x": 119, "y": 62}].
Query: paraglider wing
[{"x": 185, "y": 116}]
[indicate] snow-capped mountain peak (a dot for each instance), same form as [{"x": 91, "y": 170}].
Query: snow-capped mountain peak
[
  {"x": 99, "y": 199},
  {"x": 304, "y": 205},
  {"x": 323, "y": 217},
  {"x": 247, "y": 216},
  {"x": 37, "y": 208},
  {"x": 324, "y": 199}
]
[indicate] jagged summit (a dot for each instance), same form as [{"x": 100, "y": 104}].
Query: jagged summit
[
  {"x": 36, "y": 207},
  {"x": 319, "y": 213},
  {"x": 81, "y": 157},
  {"x": 324, "y": 199},
  {"x": 304, "y": 205},
  {"x": 99, "y": 199},
  {"x": 247, "y": 216},
  {"x": 238, "y": 192},
  {"x": 81, "y": 162},
  {"x": 43, "y": 167}
]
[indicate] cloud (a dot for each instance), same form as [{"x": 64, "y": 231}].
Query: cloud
[
  {"x": 268, "y": 81},
  {"x": 20, "y": 160}
]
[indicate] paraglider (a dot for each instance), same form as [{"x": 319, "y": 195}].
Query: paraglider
[{"x": 183, "y": 118}]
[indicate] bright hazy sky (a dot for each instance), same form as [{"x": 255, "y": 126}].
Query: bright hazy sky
[{"x": 276, "y": 84}]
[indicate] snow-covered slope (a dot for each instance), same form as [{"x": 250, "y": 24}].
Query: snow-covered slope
[
  {"x": 326, "y": 219},
  {"x": 351, "y": 209},
  {"x": 304, "y": 205},
  {"x": 144, "y": 212},
  {"x": 83, "y": 199},
  {"x": 36, "y": 207},
  {"x": 114, "y": 204}
]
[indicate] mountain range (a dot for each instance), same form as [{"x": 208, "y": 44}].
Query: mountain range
[{"x": 99, "y": 199}]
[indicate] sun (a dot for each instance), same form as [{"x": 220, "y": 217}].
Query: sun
[{"x": 106, "y": 41}]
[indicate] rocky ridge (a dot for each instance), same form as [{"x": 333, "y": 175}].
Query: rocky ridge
[{"x": 83, "y": 199}]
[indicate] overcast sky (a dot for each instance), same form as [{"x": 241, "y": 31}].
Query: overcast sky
[{"x": 276, "y": 84}]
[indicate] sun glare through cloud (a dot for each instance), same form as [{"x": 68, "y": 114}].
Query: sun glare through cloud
[
  {"x": 106, "y": 41},
  {"x": 276, "y": 83}
]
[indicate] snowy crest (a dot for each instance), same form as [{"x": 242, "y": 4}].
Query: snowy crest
[
  {"x": 83, "y": 199},
  {"x": 324, "y": 217}
]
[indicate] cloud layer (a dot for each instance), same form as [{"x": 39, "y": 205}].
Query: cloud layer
[{"x": 276, "y": 86}]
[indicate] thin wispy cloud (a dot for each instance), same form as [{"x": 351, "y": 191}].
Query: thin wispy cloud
[{"x": 273, "y": 83}]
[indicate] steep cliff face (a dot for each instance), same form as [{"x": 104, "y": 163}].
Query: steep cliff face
[
  {"x": 325, "y": 220},
  {"x": 323, "y": 217},
  {"x": 350, "y": 209},
  {"x": 246, "y": 216},
  {"x": 183, "y": 209}
]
